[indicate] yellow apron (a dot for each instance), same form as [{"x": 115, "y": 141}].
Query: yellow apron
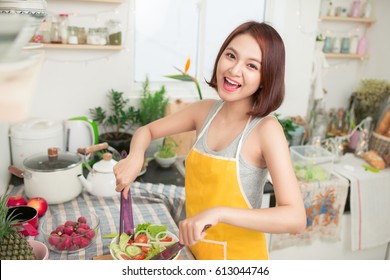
[{"x": 214, "y": 181}]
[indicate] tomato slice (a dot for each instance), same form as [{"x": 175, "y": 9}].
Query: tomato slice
[
  {"x": 167, "y": 239},
  {"x": 141, "y": 238}
]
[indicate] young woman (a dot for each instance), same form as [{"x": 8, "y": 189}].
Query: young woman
[{"x": 238, "y": 143}]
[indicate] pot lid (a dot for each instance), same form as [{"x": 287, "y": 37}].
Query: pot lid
[
  {"x": 106, "y": 165},
  {"x": 52, "y": 161}
]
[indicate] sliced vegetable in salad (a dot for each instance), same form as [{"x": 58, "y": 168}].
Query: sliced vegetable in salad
[{"x": 149, "y": 240}]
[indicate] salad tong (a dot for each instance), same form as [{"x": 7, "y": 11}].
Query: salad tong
[
  {"x": 126, "y": 220},
  {"x": 172, "y": 250}
]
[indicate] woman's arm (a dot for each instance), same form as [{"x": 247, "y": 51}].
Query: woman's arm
[{"x": 187, "y": 119}]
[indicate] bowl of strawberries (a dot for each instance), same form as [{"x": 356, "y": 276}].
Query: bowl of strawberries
[{"x": 62, "y": 234}]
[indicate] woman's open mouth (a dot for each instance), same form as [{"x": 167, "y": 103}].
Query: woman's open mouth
[{"x": 230, "y": 85}]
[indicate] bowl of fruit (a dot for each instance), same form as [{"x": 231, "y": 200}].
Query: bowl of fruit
[
  {"x": 149, "y": 240},
  {"x": 62, "y": 234}
]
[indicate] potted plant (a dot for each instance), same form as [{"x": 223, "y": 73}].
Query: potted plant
[
  {"x": 152, "y": 107},
  {"x": 165, "y": 155},
  {"x": 116, "y": 121},
  {"x": 289, "y": 127}
]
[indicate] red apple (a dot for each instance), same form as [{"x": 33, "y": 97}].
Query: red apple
[
  {"x": 16, "y": 200},
  {"x": 40, "y": 204}
]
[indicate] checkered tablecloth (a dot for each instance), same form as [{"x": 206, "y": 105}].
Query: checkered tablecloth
[{"x": 155, "y": 203}]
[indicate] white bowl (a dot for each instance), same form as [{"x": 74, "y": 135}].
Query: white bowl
[
  {"x": 40, "y": 250},
  {"x": 174, "y": 240},
  {"x": 164, "y": 162}
]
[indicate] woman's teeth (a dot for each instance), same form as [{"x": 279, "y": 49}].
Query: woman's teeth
[{"x": 230, "y": 85}]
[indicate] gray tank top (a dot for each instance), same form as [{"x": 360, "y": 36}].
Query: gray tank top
[{"x": 252, "y": 178}]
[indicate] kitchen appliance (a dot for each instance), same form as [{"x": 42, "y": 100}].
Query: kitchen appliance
[
  {"x": 79, "y": 132},
  {"x": 101, "y": 180},
  {"x": 34, "y": 136},
  {"x": 51, "y": 175}
]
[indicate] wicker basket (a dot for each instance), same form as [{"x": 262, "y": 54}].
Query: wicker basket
[{"x": 380, "y": 144}]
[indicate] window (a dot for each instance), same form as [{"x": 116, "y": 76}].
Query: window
[{"x": 167, "y": 32}]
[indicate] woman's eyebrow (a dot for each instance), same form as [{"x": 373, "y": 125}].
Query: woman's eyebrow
[{"x": 251, "y": 58}]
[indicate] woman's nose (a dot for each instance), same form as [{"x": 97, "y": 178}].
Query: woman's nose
[{"x": 236, "y": 69}]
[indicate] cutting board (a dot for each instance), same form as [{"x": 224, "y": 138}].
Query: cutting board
[{"x": 184, "y": 140}]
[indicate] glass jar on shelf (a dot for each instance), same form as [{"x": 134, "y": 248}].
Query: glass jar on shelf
[
  {"x": 72, "y": 35},
  {"x": 81, "y": 35},
  {"x": 102, "y": 36},
  {"x": 64, "y": 23},
  {"x": 114, "y": 32},
  {"x": 55, "y": 32}
]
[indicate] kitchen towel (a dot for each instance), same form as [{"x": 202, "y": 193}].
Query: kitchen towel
[
  {"x": 324, "y": 203},
  {"x": 370, "y": 202}
]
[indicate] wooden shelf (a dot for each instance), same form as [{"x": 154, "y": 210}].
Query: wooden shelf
[
  {"x": 346, "y": 55},
  {"x": 82, "y": 47},
  {"x": 368, "y": 21}
]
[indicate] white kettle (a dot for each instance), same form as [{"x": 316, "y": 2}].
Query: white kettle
[
  {"x": 101, "y": 180},
  {"x": 80, "y": 132}
]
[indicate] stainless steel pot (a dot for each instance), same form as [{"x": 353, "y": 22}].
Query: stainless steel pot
[{"x": 52, "y": 175}]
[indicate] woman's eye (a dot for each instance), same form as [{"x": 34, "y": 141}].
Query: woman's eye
[
  {"x": 230, "y": 55},
  {"x": 253, "y": 66}
]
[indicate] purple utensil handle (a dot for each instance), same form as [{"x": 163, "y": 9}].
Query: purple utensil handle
[{"x": 126, "y": 223}]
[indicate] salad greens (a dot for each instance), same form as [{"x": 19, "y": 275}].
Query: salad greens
[{"x": 149, "y": 240}]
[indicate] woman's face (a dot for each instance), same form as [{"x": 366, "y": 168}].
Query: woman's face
[{"x": 238, "y": 69}]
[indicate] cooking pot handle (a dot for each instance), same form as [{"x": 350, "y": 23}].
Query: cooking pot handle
[
  {"x": 18, "y": 172},
  {"x": 30, "y": 229},
  {"x": 93, "y": 148}
]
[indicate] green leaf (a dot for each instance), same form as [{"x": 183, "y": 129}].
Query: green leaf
[{"x": 182, "y": 77}]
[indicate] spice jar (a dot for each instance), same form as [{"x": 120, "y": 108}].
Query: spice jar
[
  {"x": 114, "y": 32},
  {"x": 72, "y": 35},
  {"x": 81, "y": 35}
]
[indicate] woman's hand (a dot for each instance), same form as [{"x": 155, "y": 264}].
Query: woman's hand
[
  {"x": 126, "y": 171},
  {"x": 192, "y": 230}
]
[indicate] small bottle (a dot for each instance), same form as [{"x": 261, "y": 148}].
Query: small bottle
[
  {"x": 362, "y": 46},
  {"x": 336, "y": 45},
  {"x": 345, "y": 45},
  {"x": 327, "y": 45},
  {"x": 355, "y": 11},
  {"x": 367, "y": 9},
  {"x": 353, "y": 45},
  {"x": 64, "y": 23}
]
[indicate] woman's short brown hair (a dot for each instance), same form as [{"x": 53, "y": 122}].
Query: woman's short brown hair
[{"x": 270, "y": 93}]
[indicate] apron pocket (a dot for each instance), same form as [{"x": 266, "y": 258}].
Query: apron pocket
[{"x": 210, "y": 250}]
